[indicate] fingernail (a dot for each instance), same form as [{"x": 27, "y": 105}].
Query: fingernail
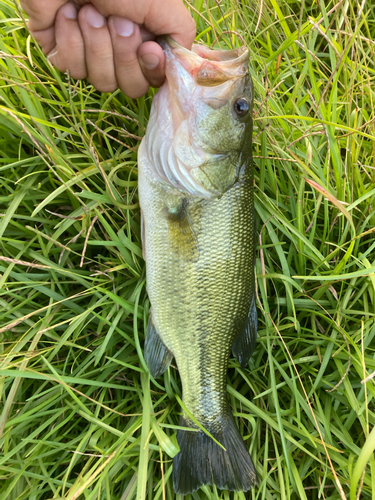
[
  {"x": 93, "y": 17},
  {"x": 69, "y": 11},
  {"x": 123, "y": 27},
  {"x": 150, "y": 61}
]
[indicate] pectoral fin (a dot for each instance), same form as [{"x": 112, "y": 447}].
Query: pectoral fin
[
  {"x": 182, "y": 236},
  {"x": 157, "y": 356},
  {"x": 244, "y": 344}
]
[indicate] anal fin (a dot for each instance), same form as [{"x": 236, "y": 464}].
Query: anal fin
[
  {"x": 157, "y": 356},
  {"x": 244, "y": 344}
]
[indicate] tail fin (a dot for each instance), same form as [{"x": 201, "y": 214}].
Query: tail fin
[{"x": 201, "y": 461}]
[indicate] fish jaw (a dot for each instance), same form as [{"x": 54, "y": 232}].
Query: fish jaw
[
  {"x": 207, "y": 67},
  {"x": 200, "y": 85}
]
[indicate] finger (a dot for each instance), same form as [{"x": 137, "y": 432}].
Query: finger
[
  {"x": 170, "y": 17},
  {"x": 98, "y": 49},
  {"x": 126, "y": 38},
  {"x": 152, "y": 61},
  {"x": 146, "y": 35},
  {"x": 46, "y": 39},
  {"x": 161, "y": 17},
  {"x": 68, "y": 53},
  {"x": 41, "y": 13}
]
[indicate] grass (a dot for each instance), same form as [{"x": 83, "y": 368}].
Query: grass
[{"x": 80, "y": 417}]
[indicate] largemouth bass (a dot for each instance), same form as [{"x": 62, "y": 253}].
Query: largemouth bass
[{"x": 196, "y": 196}]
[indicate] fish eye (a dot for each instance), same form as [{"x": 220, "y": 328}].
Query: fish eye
[{"x": 241, "y": 106}]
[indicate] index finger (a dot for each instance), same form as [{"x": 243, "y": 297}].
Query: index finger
[{"x": 41, "y": 13}]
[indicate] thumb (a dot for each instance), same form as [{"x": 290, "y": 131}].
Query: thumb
[{"x": 170, "y": 17}]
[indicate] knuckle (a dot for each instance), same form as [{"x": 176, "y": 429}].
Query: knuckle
[
  {"x": 126, "y": 58},
  {"x": 45, "y": 44},
  {"x": 135, "y": 93},
  {"x": 191, "y": 26},
  {"x": 73, "y": 49},
  {"x": 192, "y": 31},
  {"x": 54, "y": 60},
  {"x": 30, "y": 6},
  {"x": 104, "y": 87},
  {"x": 102, "y": 53},
  {"x": 99, "y": 47},
  {"x": 156, "y": 82},
  {"x": 74, "y": 66},
  {"x": 78, "y": 73}
]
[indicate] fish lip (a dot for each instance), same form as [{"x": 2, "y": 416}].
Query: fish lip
[
  {"x": 234, "y": 57},
  {"x": 224, "y": 58}
]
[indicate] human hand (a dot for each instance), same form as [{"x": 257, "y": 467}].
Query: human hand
[{"x": 109, "y": 42}]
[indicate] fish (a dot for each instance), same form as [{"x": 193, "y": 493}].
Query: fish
[{"x": 196, "y": 183}]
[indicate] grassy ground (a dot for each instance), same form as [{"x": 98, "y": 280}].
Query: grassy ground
[{"x": 80, "y": 418}]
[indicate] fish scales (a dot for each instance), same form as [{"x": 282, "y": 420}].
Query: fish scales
[
  {"x": 198, "y": 236},
  {"x": 195, "y": 303}
]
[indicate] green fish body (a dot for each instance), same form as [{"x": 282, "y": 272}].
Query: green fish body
[{"x": 196, "y": 194}]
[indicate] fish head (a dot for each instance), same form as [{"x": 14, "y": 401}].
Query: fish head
[{"x": 203, "y": 119}]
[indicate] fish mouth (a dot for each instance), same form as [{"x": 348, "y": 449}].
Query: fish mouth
[{"x": 209, "y": 67}]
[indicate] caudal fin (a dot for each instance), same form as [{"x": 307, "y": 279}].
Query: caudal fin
[{"x": 201, "y": 461}]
